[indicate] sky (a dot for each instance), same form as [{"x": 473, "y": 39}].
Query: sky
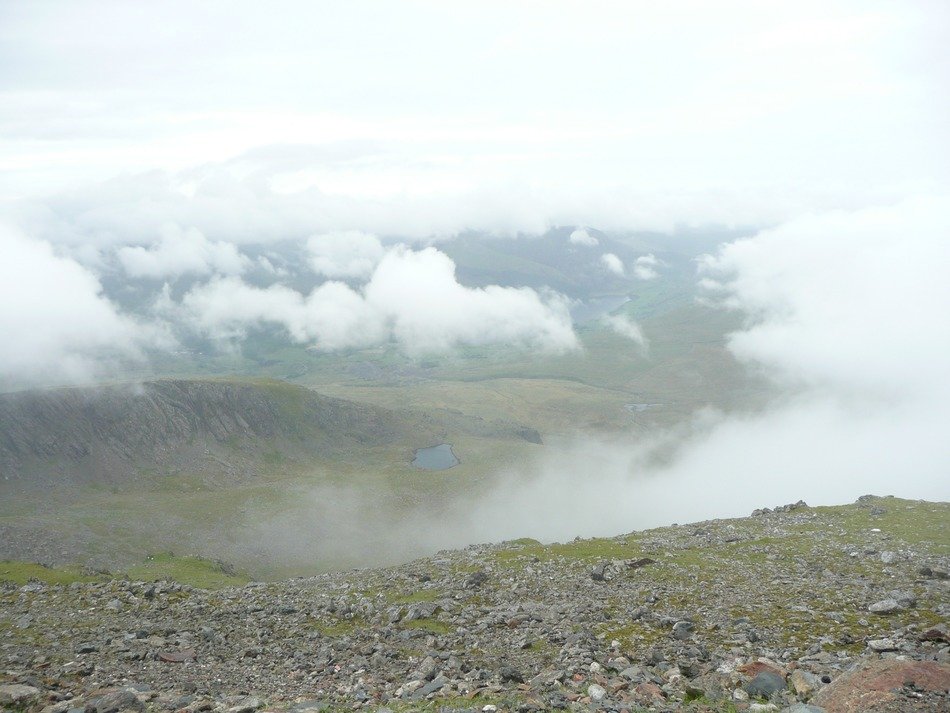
[
  {"x": 149, "y": 143},
  {"x": 502, "y": 116}
]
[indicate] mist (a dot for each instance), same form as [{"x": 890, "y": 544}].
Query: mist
[{"x": 856, "y": 353}]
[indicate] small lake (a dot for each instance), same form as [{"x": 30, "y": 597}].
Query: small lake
[{"x": 440, "y": 457}]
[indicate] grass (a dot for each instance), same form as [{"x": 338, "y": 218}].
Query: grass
[
  {"x": 593, "y": 550},
  {"x": 23, "y": 572},
  {"x": 423, "y": 595},
  {"x": 194, "y": 571},
  {"x": 433, "y": 626},
  {"x": 338, "y": 627}
]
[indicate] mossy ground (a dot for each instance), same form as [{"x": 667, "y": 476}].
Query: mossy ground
[{"x": 192, "y": 571}]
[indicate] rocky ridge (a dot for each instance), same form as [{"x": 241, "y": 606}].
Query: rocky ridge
[
  {"x": 109, "y": 435},
  {"x": 797, "y": 609}
]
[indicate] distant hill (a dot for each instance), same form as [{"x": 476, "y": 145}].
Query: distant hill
[{"x": 111, "y": 435}]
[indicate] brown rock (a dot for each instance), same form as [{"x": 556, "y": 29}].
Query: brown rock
[
  {"x": 756, "y": 667},
  {"x": 936, "y": 633},
  {"x": 883, "y": 685},
  {"x": 177, "y": 656},
  {"x": 650, "y": 691}
]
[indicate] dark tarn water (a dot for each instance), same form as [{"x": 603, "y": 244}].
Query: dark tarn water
[{"x": 440, "y": 457}]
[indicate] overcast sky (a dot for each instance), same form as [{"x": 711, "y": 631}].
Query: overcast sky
[{"x": 506, "y": 116}]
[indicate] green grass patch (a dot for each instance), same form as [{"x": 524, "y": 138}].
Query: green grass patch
[
  {"x": 194, "y": 571},
  {"x": 23, "y": 572},
  {"x": 423, "y": 595},
  {"x": 433, "y": 626},
  {"x": 595, "y": 549},
  {"x": 338, "y": 627}
]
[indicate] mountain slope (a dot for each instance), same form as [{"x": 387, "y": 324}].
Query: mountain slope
[
  {"x": 838, "y": 607},
  {"x": 112, "y": 435}
]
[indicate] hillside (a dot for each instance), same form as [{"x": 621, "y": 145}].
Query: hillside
[
  {"x": 798, "y": 609},
  {"x": 117, "y": 435}
]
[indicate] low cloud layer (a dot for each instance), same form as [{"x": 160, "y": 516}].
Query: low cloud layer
[
  {"x": 581, "y": 236},
  {"x": 412, "y": 299},
  {"x": 645, "y": 267},
  {"x": 180, "y": 252},
  {"x": 344, "y": 254},
  {"x": 627, "y": 328},
  {"x": 612, "y": 264},
  {"x": 55, "y": 322},
  {"x": 847, "y": 316}
]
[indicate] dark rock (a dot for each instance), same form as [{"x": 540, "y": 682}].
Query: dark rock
[
  {"x": 121, "y": 700},
  {"x": 683, "y": 630},
  {"x": 510, "y": 674},
  {"x": 765, "y": 684},
  {"x": 476, "y": 579}
]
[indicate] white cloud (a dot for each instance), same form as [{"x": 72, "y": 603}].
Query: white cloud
[
  {"x": 627, "y": 328},
  {"x": 412, "y": 298},
  {"x": 848, "y": 317},
  {"x": 179, "y": 252},
  {"x": 344, "y": 254},
  {"x": 854, "y": 91},
  {"x": 613, "y": 263},
  {"x": 644, "y": 267},
  {"x": 332, "y": 316},
  {"x": 56, "y": 324},
  {"x": 580, "y": 236},
  {"x": 852, "y": 299}
]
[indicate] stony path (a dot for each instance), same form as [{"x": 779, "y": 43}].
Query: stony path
[{"x": 760, "y": 613}]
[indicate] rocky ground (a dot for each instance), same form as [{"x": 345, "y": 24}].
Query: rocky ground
[{"x": 798, "y": 609}]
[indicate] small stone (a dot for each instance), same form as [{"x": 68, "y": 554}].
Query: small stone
[
  {"x": 936, "y": 633},
  {"x": 803, "y": 682},
  {"x": 86, "y": 648},
  {"x": 510, "y": 674},
  {"x": 765, "y": 684},
  {"x": 121, "y": 700},
  {"x": 683, "y": 630},
  {"x": 247, "y": 705},
  {"x": 599, "y": 572},
  {"x": 802, "y": 708},
  {"x": 489, "y": 708},
  {"x": 888, "y": 557},
  {"x": 17, "y": 694},
  {"x": 880, "y": 645},
  {"x": 476, "y": 579},
  {"x": 596, "y": 692},
  {"x": 885, "y": 606}
]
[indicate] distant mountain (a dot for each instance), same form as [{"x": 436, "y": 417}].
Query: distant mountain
[{"x": 113, "y": 435}]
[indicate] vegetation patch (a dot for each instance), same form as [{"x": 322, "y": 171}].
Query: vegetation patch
[
  {"x": 193, "y": 571},
  {"x": 433, "y": 626},
  {"x": 23, "y": 572}
]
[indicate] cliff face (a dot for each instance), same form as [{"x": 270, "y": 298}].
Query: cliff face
[{"x": 115, "y": 434}]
